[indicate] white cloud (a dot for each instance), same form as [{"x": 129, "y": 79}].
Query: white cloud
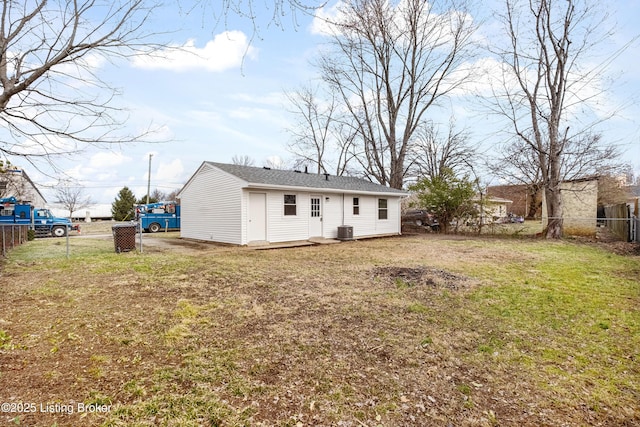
[
  {"x": 101, "y": 167},
  {"x": 226, "y": 51},
  {"x": 81, "y": 72},
  {"x": 79, "y": 172},
  {"x": 169, "y": 173},
  {"x": 242, "y": 113},
  {"x": 44, "y": 145},
  {"x": 321, "y": 24},
  {"x": 104, "y": 160},
  {"x": 274, "y": 99}
]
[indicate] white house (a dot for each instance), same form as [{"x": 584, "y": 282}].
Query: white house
[
  {"x": 15, "y": 182},
  {"x": 492, "y": 208},
  {"x": 242, "y": 204}
]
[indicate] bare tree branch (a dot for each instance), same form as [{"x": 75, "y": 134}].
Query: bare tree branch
[
  {"x": 321, "y": 138},
  {"x": 52, "y": 101},
  {"x": 390, "y": 64},
  {"x": 242, "y": 160},
  {"x": 434, "y": 153},
  {"x": 71, "y": 196}
]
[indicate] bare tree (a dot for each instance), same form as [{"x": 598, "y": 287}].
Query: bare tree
[
  {"x": 584, "y": 155},
  {"x": 172, "y": 195},
  {"x": 611, "y": 190},
  {"x": 546, "y": 85},
  {"x": 391, "y": 63},
  {"x": 434, "y": 153},
  {"x": 261, "y": 14},
  {"x": 320, "y": 137},
  {"x": 588, "y": 154},
  {"x": 274, "y": 162},
  {"x": 242, "y": 160},
  {"x": 51, "y": 100},
  {"x": 71, "y": 196},
  {"x": 517, "y": 164}
]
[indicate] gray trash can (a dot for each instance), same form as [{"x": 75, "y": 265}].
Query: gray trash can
[{"x": 124, "y": 237}]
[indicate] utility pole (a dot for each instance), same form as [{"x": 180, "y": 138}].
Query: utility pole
[{"x": 149, "y": 178}]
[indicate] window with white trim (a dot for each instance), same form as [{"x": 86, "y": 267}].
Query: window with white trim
[
  {"x": 290, "y": 207},
  {"x": 356, "y": 206},
  {"x": 383, "y": 209}
]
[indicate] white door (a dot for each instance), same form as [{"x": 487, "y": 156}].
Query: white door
[
  {"x": 257, "y": 217},
  {"x": 315, "y": 220}
]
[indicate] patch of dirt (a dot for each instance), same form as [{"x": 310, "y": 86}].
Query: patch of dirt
[{"x": 422, "y": 276}]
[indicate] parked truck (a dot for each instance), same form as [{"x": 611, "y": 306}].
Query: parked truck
[
  {"x": 40, "y": 220},
  {"x": 158, "y": 216}
]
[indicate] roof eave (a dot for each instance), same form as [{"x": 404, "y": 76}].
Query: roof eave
[{"x": 254, "y": 185}]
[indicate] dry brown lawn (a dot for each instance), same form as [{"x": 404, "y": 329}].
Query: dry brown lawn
[{"x": 407, "y": 331}]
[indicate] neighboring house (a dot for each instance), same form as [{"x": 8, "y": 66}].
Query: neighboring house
[
  {"x": 579, "y": 206},
  {"x": 15, "y": 182},
  {"x": 520, "y": 197},
  {"x": 493, "y": 208},
  {"x": 242, "y": 204}
]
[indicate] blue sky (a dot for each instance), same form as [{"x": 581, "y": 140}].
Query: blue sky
[{"x": 228, "y": 99}]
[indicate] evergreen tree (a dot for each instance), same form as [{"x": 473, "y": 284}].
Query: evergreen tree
[{"x": 122, "y": 207}]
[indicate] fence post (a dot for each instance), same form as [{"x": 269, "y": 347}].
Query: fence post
[{"x": 22, "y": 237}]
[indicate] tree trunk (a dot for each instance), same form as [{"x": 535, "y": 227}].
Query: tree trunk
[
  {"x": 532, "y": 196},
  {"x": 396, "y": 176},
  {"x": 554, "y": 212}
]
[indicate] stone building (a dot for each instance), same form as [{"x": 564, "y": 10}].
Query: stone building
[{"x": 579, "y": 206}]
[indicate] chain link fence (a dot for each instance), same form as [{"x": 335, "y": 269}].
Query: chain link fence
[{"x": 12, "y": 236}]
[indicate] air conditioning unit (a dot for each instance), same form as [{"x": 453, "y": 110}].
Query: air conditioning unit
[{"x": 345, "y": 232}]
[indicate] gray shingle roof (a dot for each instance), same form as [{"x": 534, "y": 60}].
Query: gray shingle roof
[{"x": 285, "y": 178}]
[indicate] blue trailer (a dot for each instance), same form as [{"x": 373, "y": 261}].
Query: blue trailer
[
  {"x": 159, "y": 216},
  {"x": 41, "y": 221}
]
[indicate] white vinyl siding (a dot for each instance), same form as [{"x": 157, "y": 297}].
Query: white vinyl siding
[
  {"x": 364, "y": 224},
  {"x": 281, "y": 227},
  {"x": 390, "y": 225},
  {"x": 211, "y": 207}
]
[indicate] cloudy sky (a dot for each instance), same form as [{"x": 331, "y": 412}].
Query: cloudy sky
[{"x": 222, "y": 95}]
